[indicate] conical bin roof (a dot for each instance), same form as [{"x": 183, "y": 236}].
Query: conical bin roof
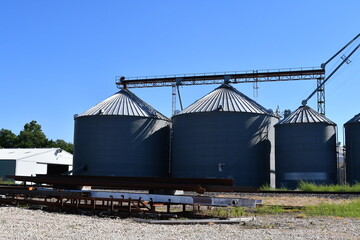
[
  {"x": 124, "y": 103},
  {"x": 355, "y": 119},
  {"x": 305, "y": 114},
  {"x": 227, "y": 99}
]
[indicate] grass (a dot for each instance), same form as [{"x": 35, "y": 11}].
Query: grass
[
  {"x": 267, "y": 187},
  {"x": 312, "y": 187},
  {"x": 232, "y": 212},
  {"x": 6, "y": 181},
  {"x": 351, "y": 209},
  {"x": 269, "y": 210},
  {"x": 307, "y": 186},
  {"x": 226, "y": 212}
]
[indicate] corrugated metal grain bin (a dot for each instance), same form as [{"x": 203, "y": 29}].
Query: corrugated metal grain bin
[
  {"x": 305, "y": 149},
  {"x": 224, "y": 135},
  {"x": 122, "y": 136},
  {"x": 352, "y": 140}
]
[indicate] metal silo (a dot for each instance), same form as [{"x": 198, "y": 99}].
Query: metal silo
[
  {"x": 305, "y": 149},
  {"x": 122, "y": 136},
  {"x": 352, "y": 140},
  {"x": 225, "y": 134}
]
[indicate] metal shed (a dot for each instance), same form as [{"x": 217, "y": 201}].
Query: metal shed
[
  {"x": 352, "y": 140},
  {"x": 121, "y": 136},
  {"x": 305, "y": 149},
  {"x": 32, "y": 161},
  {"x": 225, "y": 134}
]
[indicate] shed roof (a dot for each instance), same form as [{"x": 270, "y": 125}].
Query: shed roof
[
  {"x": 40, "y": 155},
  {"x": 227, "y": 99},
  {"x": 124, "y": 103},
  {"x": 305, "y": 114}
]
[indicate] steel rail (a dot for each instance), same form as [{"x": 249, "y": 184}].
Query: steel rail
[
  {"x": 205, "y": 181},
  {"x": 110, "y": 182},
  {"x": 309, "y": 192},
  {"x": 140, "y": 183}
]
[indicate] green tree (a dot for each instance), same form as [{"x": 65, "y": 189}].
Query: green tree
[
  {"x": 7, "y": 139},
  {"x": 32, "y": 136},
  {"x": 69, "y": 147}
]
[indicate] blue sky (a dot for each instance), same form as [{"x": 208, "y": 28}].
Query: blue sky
[{"x": 59, "y": 58}]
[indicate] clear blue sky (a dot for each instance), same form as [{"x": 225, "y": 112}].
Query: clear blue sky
[{"x": 58, "y": 58}]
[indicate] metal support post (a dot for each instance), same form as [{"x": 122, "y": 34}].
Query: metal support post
[
  {"x": 152, "y": 207},
  {"x": 321, "y": 96},
  {"x": 168, "y": 206},
  {"x": 255, "y": 86},
  {"x": 173, "y": 87},
  {"x": 129, "y": 206}
]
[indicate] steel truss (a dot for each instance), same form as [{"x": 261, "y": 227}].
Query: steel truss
[
  {"x": 255, "y": 77},
  {"x": 219, "y": 78}
]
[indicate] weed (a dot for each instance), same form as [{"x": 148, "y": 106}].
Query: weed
[
  {"x": 6, "y": 181},
  {"x": 301, "y": 215},
  {"x": 267, "y": 187},
  {"x": 264, "y": 210},
  {"x": 223, "y": 212},
  {"x": 351, "y": 209},
  {"x": 308, "y": 186}
]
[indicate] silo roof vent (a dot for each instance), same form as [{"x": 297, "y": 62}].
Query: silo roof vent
[
  {"x": 225, "y": 98},
  {"x": 124, "y": 103},
  {"x": 305, "y": 114}
]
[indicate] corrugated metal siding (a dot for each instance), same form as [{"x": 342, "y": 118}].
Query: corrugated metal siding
[
  {"x": 305, "y": 114},
  {"x": 121, "y": 146},
  {"x": 38, "y": 154},
  {"x": 305, "y": 152},
  {"x": 355, "y": 119},
  {"x": 124, "y": 103},
  {"x": 227, "y": 99},
  {"x": 224, "y": 135},
  {"x": 305, "y": 149},
  {"x": 122, "y": 136},
  {"x": 352, "y": 139},
  {"x": 224, "y": 145}
]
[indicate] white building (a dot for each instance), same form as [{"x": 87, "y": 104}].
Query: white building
[{"x": 32, "y": 161}]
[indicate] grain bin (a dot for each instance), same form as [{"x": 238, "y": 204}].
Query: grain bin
[
  {"x": 122, "y": 136},
  {"x": 305, "y": 149},
  {"x": 225, "y": 134},
  {"x": 352, "y": 140}
]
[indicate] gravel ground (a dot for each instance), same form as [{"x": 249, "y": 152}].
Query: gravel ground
[{"x": 18, "y": 223}]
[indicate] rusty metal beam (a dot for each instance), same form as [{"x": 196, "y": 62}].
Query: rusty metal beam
[
  {"x": 200, "y": 181},
  {"x": 111, "y": 183},
  {"x": 197, "y": 185},
  {"x": 36, "y": 193},
  {"x": 115, "y": 202}
]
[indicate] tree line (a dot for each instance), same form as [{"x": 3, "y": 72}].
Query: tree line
[{"x": 31, "y": 137}]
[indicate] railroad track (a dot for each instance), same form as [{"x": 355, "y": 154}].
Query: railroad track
[
  {"x": 198, "y": 185},
  {"x": 296, "y": 192},
  {"x": 212, "y": 189},
  {"x": 118, "y": 203}
]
